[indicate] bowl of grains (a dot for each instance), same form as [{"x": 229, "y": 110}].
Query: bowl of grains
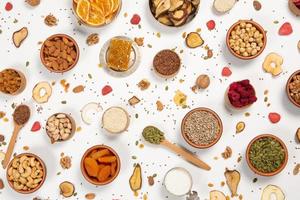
[
  {"x": 293, "y": 88},
  {"x": 266, "y": 155},
  {"x": 60, "y": 127},
  {"x": 59, "y": 53},
  {"x": 201, "y": 128},
  {"x": 246, "y": 39},
  {"x": 26, "y": 173},
  {"x": 166, "y": 63},
  {"x": 12, "y": 81}
]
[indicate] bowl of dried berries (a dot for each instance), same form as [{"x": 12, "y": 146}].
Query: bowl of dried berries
[
  {"x": 100, "y": 165},
  {"x": 12, "y": 81},
  {"x": 201, "y": 128},
  {"x": 293, "y": 88},
  {"x": 266, "y": 155},
  {"x": 59, "y": 53},
  {"x": 240, "y": 95},
  {"x": 246, "y": 39}
]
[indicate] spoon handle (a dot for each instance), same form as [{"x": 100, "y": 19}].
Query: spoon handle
[
  {"x": 186, "y": 155},
  {"x": 11, "y": 146}
]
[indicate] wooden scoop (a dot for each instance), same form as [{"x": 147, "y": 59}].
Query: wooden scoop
[
  {"x": 21, "y": 116},
  {"x": 155, "y": 136}
]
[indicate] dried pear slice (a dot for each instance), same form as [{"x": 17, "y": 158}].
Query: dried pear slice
[
  {"x": 67, "y": 189},
  {"x": 216, "y": 195},
  {"x": 135, "y": 180},
  {"x": 195, "y": 2},
  {"x": 194, "y": 40},
  {"x": 272, "y": 190},
  {"x": 178, "y": 14},
  {"x": 233, "y": 178},
  {"x": 19, "y": 36},
  {"x": 162, "y": 7},
  {"x": 175, "y": 4},
  {"x": 164, "y": 19}
]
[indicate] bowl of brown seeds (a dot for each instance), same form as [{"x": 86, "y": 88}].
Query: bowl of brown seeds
[
  {"x": 293, "y": 88},
  {"x": 166, "y": 63},
  {"x": 201, "y": 128}
]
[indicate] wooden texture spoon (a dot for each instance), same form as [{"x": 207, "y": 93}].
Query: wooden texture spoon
[
  {"x": 155, "y": 136},
  {"x": 21, "y": 116}
]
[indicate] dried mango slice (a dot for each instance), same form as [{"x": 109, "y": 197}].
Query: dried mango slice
[{"x": 83, "y": 9}]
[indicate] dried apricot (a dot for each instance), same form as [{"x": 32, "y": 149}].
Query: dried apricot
[
  {"x": 91, "y": 166},
  {"x": 104, "y": 174},
  {"x": 107, "y": 159},
  {"x": 100, "y": 153}
]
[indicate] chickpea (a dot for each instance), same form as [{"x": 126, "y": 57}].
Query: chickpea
[
  {"x": 242, "y": 50},
  {"x": 236, "y": 48},
  {"x": 245, "y": 54},
  {"x": 243, "y": 24},
  {"x": 251, "y": 39},
  {"x": 248, "y": 25},
  {"x": 253, "y": 44},
  {"x": 253, "y": 52},
  {"x": 243, "y": 44},
  {"x": 249, "y": 50}
]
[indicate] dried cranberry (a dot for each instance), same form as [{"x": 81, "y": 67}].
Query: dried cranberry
[
  {"x": 106, "y": 90},
  {"x": 211, "y": 24},
  {"x": 8, "y": 6},
  {"x": 135, "y": 19}
]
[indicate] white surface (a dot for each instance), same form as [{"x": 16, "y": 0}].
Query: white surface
[{"x": 152, "y": 158}]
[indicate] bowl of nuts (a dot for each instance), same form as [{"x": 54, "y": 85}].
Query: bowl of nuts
[
  {"x": 59, "y": 53},
  {"x": 12, "y": 81},
  {"x": 60, "y": 127},
  {"x": 246, "y": 39},
  {"x": 26, "y": 173},
  {"x": 293, "y": 88}
]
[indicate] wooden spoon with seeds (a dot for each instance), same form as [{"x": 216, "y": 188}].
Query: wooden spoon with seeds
[{"x": 155, "y": 136}]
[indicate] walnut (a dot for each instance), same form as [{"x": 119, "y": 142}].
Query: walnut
[
  {"x": 144, "y": 84},
  {"x": 66, "y": 162},
  {"x": 139, "y": 41},
  {"x": 92, "y": 39},
  {"x": 227, "y": 153},
  {"x": 50, "y": 20}
]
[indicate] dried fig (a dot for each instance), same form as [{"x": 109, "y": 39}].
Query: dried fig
[{"x": 19, "y": 36}]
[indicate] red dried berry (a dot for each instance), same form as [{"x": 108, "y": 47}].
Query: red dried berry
[
  {"x": 241, "y": 93},
  {"x": 106, "y": 90},
  {"x": 135, "y": 19},
  {"x": 274, "y": 117},
  {"x": 211, "y": 24},
  {"x": 226, "y": 71},
  {"x": 36, "y": 126},
  {"x": 8, "y": 6},
  {"x": 286, "y": 29}
]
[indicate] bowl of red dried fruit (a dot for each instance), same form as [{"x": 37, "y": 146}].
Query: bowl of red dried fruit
[
  {"x": 294, "y": 6},
  {"x": 100, "y": 165},
  {"x": 240, "y": 95},
  {"x": 293, "y": 88},
  {"x": 59, "y": 53}
]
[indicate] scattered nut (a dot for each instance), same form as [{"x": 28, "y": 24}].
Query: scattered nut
[
  {"x": 78, "y": 89},
  {"x": 67, "y": 189},
  {"x": 139, "y": 41},
  {"x": 257, "y": 5},
  {"x": 90, "y": 196},
  {"x": 240, "y": 126},
  {"x": 227, "y": 153},
  {"x": 203, "y": 81},
  {"x": 296, "y": 169},
  {"x": 159, "y": 105},
  {"x": 66, "y": 162},
  {"x": 298, "y": 134},
  {"x": 50, "y": 20},
  {"x": 92, "y": 39},
  {"x": 150, "y": 180}
]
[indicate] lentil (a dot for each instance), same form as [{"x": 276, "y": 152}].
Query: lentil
[
  {"x": 266, "y": 155},
  {"x": 201, "y": 127}
]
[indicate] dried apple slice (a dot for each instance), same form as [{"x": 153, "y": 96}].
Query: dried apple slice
[
  {"x": 162, "y": 7},
  {"x": 194, "y": 40},
  {"x": 216, "y": 195},
  {"x": 175, "y": 4},
  {"x": 164, "y": 19},
  {"x": 19, "y": 36},
  {"x": 178, "y": 14},
  {"x": 272, "y": 190},
  {"x": 41, "y": 92}
]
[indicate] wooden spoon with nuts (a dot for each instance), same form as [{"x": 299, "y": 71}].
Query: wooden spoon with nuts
[
  {"x": 155, "y": 136},
  {"x": 21, "y": 116}
]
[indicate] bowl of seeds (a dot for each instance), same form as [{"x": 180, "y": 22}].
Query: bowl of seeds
[
  {"x": 12, "y": 81},
  {"x": 293, "y": 88},
  {"x": 166, "y": 63},
  {"x": 201, "y": 128},
  {"x": 59, "y": 53},
  {"x": 246, "y": 39},
  {"x": 266, "y": 155},
  {"x": 60, "y": 127}
]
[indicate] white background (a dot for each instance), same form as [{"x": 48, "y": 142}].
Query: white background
[{"x": 152, "y": 158}]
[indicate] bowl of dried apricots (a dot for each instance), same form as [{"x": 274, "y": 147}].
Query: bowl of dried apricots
[
  {"x": 100, "y": 165},
  {"x": 96, "y": 13}
]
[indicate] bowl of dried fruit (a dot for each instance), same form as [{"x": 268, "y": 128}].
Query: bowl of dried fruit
[
  {"x": 12, "y": 81},
  {"x": 240, "y": 95},
  {"x": 60, "y": 127},
  {"x": 293, "y": 88},
  {"x": 120, "y": 56},
  {"x": 246, "y": 39},
  {"x": 201, "y": 128},
  {"x": 26, "y": 173},
  {"x": 59, "y": 53},
  {"x": 96, "y": 13},
  {"x": 266, "y": 155},
  {"x": 174, "y": 13},
  {"x": 100, "y": 165}
]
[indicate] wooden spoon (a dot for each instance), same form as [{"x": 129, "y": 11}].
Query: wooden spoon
[
  {"x": 21, "y": 116},
  {"x": 155, "y": 136}
]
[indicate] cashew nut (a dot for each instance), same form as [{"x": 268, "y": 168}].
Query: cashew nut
[
  {"x": 25, "y": 164},
  {"x": 16, "y": 163},
  {"x": 32, "y": 162},
  {"x": 20, "y": 169},
  {"x": 23, "y": 180},
  {"x": 36, "y": 181},
  {"x": 23, "y": 158},
  {"x": 15, "y": 174},
  {"x": 18, "y": 186},
  {"x": 10, "y": 171},
  {"x": 27, "y": 172}
]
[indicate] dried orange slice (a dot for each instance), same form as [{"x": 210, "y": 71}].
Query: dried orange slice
[
  {"x": 96, "y": 19},
  {"x": 106, "y": 4},
  {"x": 83, "y": 9},
  {"x": 115, "y": 5}
]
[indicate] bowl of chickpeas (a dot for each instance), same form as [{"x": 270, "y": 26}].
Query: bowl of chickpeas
[{"x": 246, "y": 39}]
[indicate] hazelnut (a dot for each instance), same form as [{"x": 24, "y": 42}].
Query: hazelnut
[{"x": 203, "y": 81}]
